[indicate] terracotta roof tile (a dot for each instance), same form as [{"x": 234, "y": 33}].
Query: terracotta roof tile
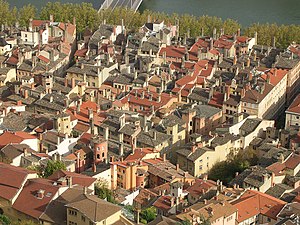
[{"x": 253, "y": 203}]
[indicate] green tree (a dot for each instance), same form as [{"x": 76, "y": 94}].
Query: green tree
[
  {"x": 148, "y": 214},
  {"x": 185, "y": 222},
  {"x": 226, "y": 170},
  {"x": 103, "y": 192},
  {"x": 53, "y": 166},
  {"x": 5, "y": 13},
  {"x": 4, "y": 220},
  {"x": 204, "y": 221},
  {"x": 24, "y": 222},
  {"x": 86, "y": 15},
  {"x": 26, "y": 13}
]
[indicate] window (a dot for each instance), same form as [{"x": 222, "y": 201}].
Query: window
[
  {"x": 102, "y": 154},
  {"x": 98, "y": 156},
  {"x": 72, "y": 212},
  {"x": 83, "y": 218},
  {"x": 72, "y": 223}
]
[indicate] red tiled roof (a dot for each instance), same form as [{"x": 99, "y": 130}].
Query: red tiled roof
[
  {"x": 133, "y": 100},
  {"x": 85, "y": 138},
  {"x": 295, "y": 106},
  {"x": 13, "y": 60},
  {"x": 81, "y": 52},
  {"x": 11, "y": 180},
  {"x": 253, "y": 203},
  {"x": 275, "y": 75},
  {"x": 163, "y": 203},
  {"x": 28, "y": 202},
  {"x": 79, "y": 179},
  {"x": 15, "y": 138},
  {"x": 186, "y": 80},
  {"x": 242, "y": 39},
  {"x": 277, "y": 168},
  {"x": 44, "y": 59},
  {"x": 83, "y": 127},
  {"x": 139, "y": 154},
  {"x": 222, "y": 43},
  {"x": 200, "y": 187},
  {"x": 217, "y": 100},
  {"x": 173, "y": 51},
  {"x": 38, "y": 23},
  {"x": 83, "y": 115},
  {"x": 293, "y": 161}
]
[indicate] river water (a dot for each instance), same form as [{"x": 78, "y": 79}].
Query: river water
[{"x": 245, "y": 11}]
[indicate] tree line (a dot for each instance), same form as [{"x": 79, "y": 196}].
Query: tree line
[{"x": 87, "y": 16}]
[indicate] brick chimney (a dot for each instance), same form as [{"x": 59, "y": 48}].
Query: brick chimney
[
  {"x": 94, "y": 168},
  {"x": 69, "y": 181},
  {"x": 25, "y": 94},
  {"x": 40, "y": 194}
]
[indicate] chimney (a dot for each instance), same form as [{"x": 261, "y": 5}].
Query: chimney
[
  {"x": 172, "y": 201},
  {"x": 214, "y": 33},
  {"x": 85, "y": 190},
  {"x": 248, "y": 62},
  {"x": 268, "y": 77},
  {"x": 72, "y": 82},
  {"x": 158, "y": 98},
  {"x": 94, "y": 168},
  {"x": 211, "y": 44},
  {"x": 221, "y": 31},
  {"x": 238, "y": 33},
  {"x": 255, "y": 37},
  {"x": 51, "y": 18},
  {"x": 121, "y": 149},
  {"x": 142, "y": 94},
  {"x": 164, "y": 57},
  {"x": 106, "y": 133},
  {"x": 193, "y": 149},
  {"x": 243, "y": 92},
  {"x": 25, "y": 94},
  {"x": 154, "y": 135},
  {"x": 25, "y": 151},
  {"x": 177, "y": 167},
  {"x": 69, "y": 182},
  {"x": 40, "y": 194},
  {"x": 30, "y": 25},
  {"x": 78, "y": 105},
  {"x": 199, "y": 53},
  {"x": 234, "y": 60},
  {"x": 274, "y": 42},
  {"x": 164, "y": 157},
  {"x": 66, "y": 82},
  {"x": 51, "y": 99}
]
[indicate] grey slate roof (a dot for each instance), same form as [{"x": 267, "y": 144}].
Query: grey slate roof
[{"x": 249, "y": 126}]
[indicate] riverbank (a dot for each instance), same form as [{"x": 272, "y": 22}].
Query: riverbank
[
  {"x": 87, "y": 16},
  {"x": 246, "y": 12}
]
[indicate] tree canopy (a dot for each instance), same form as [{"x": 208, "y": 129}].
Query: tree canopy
[
  {"x": 89, "y": 17},
  {"x": 226, "y": 170},
  {"x": 53, "y": 166},
  {"x": 148, "y": 214},
  {"x": 103, "y": 192}
]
